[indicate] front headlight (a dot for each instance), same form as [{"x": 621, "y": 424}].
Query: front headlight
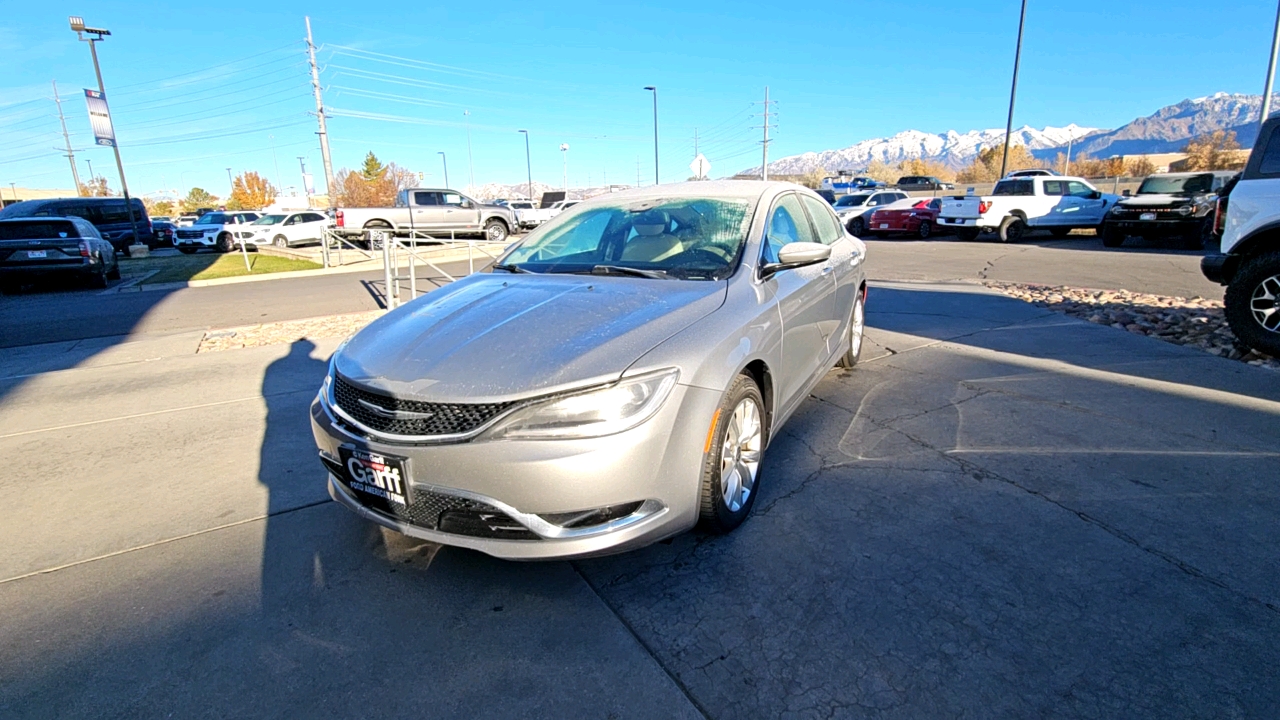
[{"x": 595, "y": 413}]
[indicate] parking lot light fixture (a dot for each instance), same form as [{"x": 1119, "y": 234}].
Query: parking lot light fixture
[
  {"x": 528, "y": 165},
  {"x": 654, "y": 90}
]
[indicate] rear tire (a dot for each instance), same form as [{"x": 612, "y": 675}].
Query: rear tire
[
  {"x": 857, "y": 328},
  {"x": 98, "y": 281},
  {"x": 114, "y": 272},
  {"x": 1111, "y": 237},
  {"x": 925, "y": 230},
  {"x": 731, "y": 468},
  {"x": 1253, "y": 303},
  {"x": 857, "y": 227},
  {"x": 1012, "y": 229}
]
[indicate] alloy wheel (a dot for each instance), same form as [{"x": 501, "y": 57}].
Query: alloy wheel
[
  {"x": 1263, "y": 304},
  {"x": 740, "y": 454}
]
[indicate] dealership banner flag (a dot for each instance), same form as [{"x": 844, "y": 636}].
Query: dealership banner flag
[{"x": 100, "y": 118}]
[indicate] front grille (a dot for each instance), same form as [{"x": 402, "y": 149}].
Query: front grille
[
  {"x": 190, "y": 234},
  {"x": 439, "y": 418}
]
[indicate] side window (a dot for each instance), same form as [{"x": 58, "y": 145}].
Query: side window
[
  {"x": 900, "y": 196},
  {"x": 453, "y": 199},
  {"x": 313, "y": 217},
  {"x": 426, "y": 198},
  {"x": 824, "y": 222},
  {"x": 1053, "y": 187},
  {"x": 1078, "y": 189},
  {"x": 293, "y": 220},
  {"x": 1270, "y": 163},
  {"x": 787, "y": 224}
]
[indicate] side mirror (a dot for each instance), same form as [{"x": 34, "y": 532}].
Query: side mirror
[
  {"x": 1127, "y": 192},
  {"x": 1095, "y": 195},
  {"x": 466, "y": 204},
  {"x": 798, "y": 254}
]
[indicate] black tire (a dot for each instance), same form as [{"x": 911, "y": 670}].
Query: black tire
[
  {"x": 715, "y": 514},
  {"x": 925, "y": 230},
  {"x": 114, "y": 272},
  {"x": 857, "y": 227},
  {"x": 968, "y": 234},
  {"x": 1059, "y": 232},
  {"x": 1112, "y": 237},
  {"x": 1012, "y": 229},
  {"x": 186, "y": 250},
  {"x": 280, "y": 241},
  {"x": 1198, "y": 238},
  {"x": 858, "y": 325},
  {"x": 1253, "y": 292},
  {"x": 98, "y": 280},
  {"x": 225, "y": 243},
  {"x": 496, "y": 230}
]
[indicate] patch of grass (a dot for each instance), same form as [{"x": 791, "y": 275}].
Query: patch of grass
[{"x": 208, "y": 267}]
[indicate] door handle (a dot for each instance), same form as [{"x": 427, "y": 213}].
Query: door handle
[{"x": 826, "y": 268}]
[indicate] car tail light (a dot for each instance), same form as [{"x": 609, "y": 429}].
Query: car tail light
[
  {"x": 983, "y": 207},
  {"x": 84, "y": 249},
  {"x": 341, "y": 221},
  {"x": 1220, "y": 215}
]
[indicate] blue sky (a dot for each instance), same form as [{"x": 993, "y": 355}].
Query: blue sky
[{"x": 209, "y": 86}]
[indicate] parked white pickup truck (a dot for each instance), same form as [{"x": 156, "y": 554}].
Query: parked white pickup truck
[
  {"x": 529, "y": 214},
  {"x": 1018, "y": 205}
]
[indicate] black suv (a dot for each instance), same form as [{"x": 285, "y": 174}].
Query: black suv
[
  {"x": 33, "y": 247},
  {"x": 109, "y": 215},
  {"x": 922, "y": 182},
  {"x": 1177, "y": 206}
]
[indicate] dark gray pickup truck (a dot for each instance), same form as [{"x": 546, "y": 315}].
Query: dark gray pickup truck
[{"x": 439, "y": 213}]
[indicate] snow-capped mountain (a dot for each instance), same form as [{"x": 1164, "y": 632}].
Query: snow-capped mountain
[
  {"x": 951, "y": 148},
  {"x": 1166, "y": 130}
]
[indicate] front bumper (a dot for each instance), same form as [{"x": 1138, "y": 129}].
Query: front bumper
[
  {"x": 1219, "y": 268},
  {"x": 1157, "y": 228},
  {"x": 657, "y": 464},
  {"x": 202, "y": 241}
]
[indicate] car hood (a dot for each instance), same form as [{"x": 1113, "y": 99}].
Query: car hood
[
  {"x": 1156, "y": 200},
  {"x": 498, "y": 337}
]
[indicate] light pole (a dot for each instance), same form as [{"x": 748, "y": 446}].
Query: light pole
[
  {"x": 444, "y": 160},
  {"x": 78, "y": 26},
  {"x": 564, "y": 156},
  {"x": 230, "y": 182},
  {"x": 528, "y": 164},
  {"x": 1271, "y": 71},
  {"x": 90, "y": 164},
  {"x": 1013, "y": 93},
  {"x": 471, "y": 167},
  {"x": 655, "y": 131}
]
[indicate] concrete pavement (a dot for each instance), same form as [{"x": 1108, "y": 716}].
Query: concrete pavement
[{"x": 1002, "y": 512}]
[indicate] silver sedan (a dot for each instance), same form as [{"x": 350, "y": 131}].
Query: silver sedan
[{"x": 614, "y": 380}]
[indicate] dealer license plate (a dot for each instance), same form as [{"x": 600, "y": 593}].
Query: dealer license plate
[
  {"x": 884, "y": 226},
  {"x": 1147, "y": 216},
  {"x": 33, "y": 254},
  {"x": 378, "y": 480}
]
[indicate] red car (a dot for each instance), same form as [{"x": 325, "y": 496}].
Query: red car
[{"x": 918, "y": 218}]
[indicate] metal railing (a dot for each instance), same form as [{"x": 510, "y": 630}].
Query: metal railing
[{"x": 402, "y": 257}]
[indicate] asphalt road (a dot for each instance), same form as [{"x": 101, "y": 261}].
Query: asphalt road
[{"x": 1002, "y": 512}]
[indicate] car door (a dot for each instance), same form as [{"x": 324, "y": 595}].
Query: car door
[
  {"x": 292, "y": 228},
  {"x": 846, "y": 256},
  {"x": 805, "y": 295},
  {"x": 458, "y": 217},
  {"x": 1060, "y": 206},
  {"x": 1090, "y": 204},
  {"x": 426, "y": 214}
]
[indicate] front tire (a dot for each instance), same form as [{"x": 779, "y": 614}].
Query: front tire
[
  {"x": 496, "y": 231},
  {"x": 1112, "y": 237},
  {"x": 280, "y": 241},
  {"x": 857, "y": 227},
  {"x": 731, "y": 469},
  {"x": 1253, "y": 303},
  {"x": 1012, "y": 229},
  {"x": 225, "y": 244}
]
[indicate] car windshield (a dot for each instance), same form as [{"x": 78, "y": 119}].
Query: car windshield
[
  {"x": 1185, "y": 185},
  {"x": 851, "y": 200},
  {"x": 212, "y": 219},
  {"x": 684, "y": 238},
  {"x": 270, "y": 220}
]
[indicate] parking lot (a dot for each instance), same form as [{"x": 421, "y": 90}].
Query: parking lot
[{"x": 1001, "y": 512}]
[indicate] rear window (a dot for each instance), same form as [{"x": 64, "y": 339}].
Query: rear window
[
  {"x": 38, "y": 230},
  {"x": 1014, "y": 187}
]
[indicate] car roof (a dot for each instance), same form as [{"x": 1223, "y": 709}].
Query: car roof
[{"x": 1194, "y": 173}]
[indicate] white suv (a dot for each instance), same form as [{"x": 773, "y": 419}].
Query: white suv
[
  {"x": 1249, "y": 264},
  {"x": 287, "y": 229},
  {"x": 216, "y": 230}
]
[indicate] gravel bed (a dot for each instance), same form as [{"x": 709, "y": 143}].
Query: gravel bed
[
  {"x": 1196, "y": 321},
  {"x": 286, "y": 332}
]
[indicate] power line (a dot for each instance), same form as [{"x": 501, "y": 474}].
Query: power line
[
  {"x": 204, "y": 115},
  {"x": 186, "y": 99},
  {"x": 421, "y": 64},
  {"x": 211, "y": 67}
]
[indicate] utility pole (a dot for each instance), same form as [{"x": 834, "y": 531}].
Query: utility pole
[
  {"x": 564, "y": 157},
  {"x": 231, "y": 182},
  {"x": 444, "y": 159},
  {"x": 78, "y": 26},
  {"x": 471, "y": 167},
  {"x": 764, "y": 167},
  {"x": 655, "y": 134},
  {"x": 71, "y": 156},
  {"x": 1271, "y": 70},
  {"x": 528, "y": 164},
  {"x": 1013, "y": 93},
  {"x": 1066, "y": 166},
  {"x": 323, "y": 133},
  {"x": 89, "y": 162}
]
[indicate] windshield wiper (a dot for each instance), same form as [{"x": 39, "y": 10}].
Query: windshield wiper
[
  {"x": 512, "y": 268},
  {"x": 621, "y": 270}
]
